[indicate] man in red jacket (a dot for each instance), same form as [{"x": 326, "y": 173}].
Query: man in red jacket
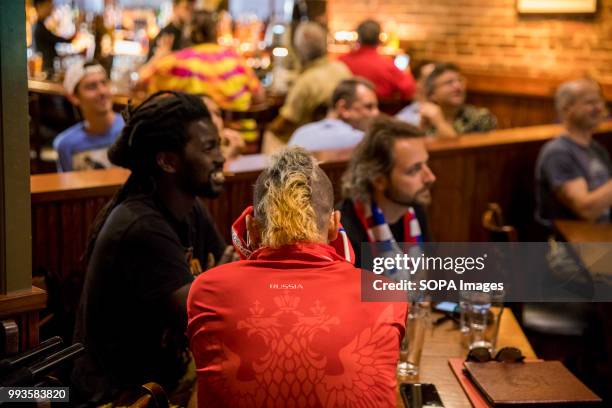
[
  {"x": 286, "y": 326},
  {"x": 365, "y": 61}
]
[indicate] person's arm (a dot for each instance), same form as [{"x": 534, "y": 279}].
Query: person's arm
[
  {"x": 64, "y": 157},
  {"x": 431, "y": 114},
  {"x": 282, "y": 128},
  {"x": 178, "y": 302},
  {"x": 588, "y": 205},
  {"x": 294, "y": 111}
]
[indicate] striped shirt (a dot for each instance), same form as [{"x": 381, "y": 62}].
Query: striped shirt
[{"x": 210, "y": 69}]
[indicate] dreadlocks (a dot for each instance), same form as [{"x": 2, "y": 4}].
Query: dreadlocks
[{"x": 156, "y": 125}]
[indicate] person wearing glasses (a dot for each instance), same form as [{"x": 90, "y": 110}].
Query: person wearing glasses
[{"x": 444, "y": 112}]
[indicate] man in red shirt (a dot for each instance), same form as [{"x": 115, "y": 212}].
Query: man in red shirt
[
  {"x": 365, "y": 61},
  {"x": 286, "y": 326}
]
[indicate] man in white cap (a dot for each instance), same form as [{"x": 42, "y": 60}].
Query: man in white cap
[{"x": 83, "y": 146}]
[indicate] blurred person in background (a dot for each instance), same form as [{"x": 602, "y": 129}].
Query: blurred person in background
[
  {"x": 44, "y": 40},
  {"x": 173, "y": 33},
  {"x": 447, "y": 114},
  {"x": 573, "y": 171},
  {"x": 367, "y": 62},
  {"x": 84, "y": 145},
  {"x": 205, "y": 68},
  {"x": 312, "y": 90},
  {"x": 423, "y": 110},
  {"x": 353, "y": 106}
]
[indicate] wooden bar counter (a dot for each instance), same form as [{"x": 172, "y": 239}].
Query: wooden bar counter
[
  {"x": 43, "y": 87},
  {"x": 582, "y": 231}
]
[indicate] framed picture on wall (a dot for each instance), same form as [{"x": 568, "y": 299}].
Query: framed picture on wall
[{"x": 556, "y": 6}]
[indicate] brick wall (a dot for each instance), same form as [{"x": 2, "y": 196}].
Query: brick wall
[{"x": 490, "y": 36}]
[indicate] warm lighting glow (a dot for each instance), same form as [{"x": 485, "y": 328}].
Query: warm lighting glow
[
  {"x": 245, "y": 47},
  {"x": 226, "y": 40},
  {"x": 280, "y": 52},
  {"x": 127, "y": 48},
  {"x": 265, "y": 62},
  {"x": 345, "y": 36}
]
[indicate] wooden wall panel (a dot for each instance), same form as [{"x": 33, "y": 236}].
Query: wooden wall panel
[{"x": 514, "y": 111}]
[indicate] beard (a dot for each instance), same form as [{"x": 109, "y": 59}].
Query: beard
[
  {"x": 421, "y": 197},
  {"x": 194, "y": 184}
]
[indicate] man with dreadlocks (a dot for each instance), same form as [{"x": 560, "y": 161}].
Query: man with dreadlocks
[
  {"x": 145, "y": 247},
  {"x": 286, "y": 325}
]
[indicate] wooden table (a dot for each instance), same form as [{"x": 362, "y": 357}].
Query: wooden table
[
  {"x": 582, "y": 231},
  {"x": 596, "y": 258},
  {"x": 445, "y": 341}
]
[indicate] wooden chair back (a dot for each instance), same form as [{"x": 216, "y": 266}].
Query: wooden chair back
[
  {"x": 493, "y": 223},
  {"x": 150, "y": 395}
]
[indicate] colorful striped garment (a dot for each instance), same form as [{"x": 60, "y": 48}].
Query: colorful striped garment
[{"x": 210, "y": 69}]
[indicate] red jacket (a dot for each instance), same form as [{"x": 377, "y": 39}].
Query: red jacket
[
  {"x": 380, "y": 69},
  {"x": 287, "y": 327}
]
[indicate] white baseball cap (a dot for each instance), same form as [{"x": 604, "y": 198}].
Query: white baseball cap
[{"x": 76, "y": 72}]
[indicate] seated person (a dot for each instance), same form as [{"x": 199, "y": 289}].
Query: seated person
[
  {"x": 145, "y": 247},
  {"x": 448, "y": 115},
  {"x": 84, "y": 145},
  {"x": 421, "y": 109},
  {"x": 314, "y": 86},
  {"x": 574, "y": 172},
  {"x": 205, "y": 68},
  {"x": 353, "y": 106},
  {"x": 43, "y": 40},
  {"x": 181, "y": 17},
  {"x": 365, "y": 61},
  {"x": 299, "y": 334},
  {"x": 386, "y": 185}
]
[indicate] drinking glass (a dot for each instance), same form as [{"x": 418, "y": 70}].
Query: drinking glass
[
  {"x": 412, "y": 344},
  {"x": 465, "y": 305},
  {"x": 484, "y": 317}
]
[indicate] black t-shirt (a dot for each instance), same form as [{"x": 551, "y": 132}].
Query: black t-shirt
[
  {"x": 177, "y": 43},
  {"x": 44, "y": 42},
  {"x": 126, "y": 322},
  {"x": 357, "y": 234}
]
